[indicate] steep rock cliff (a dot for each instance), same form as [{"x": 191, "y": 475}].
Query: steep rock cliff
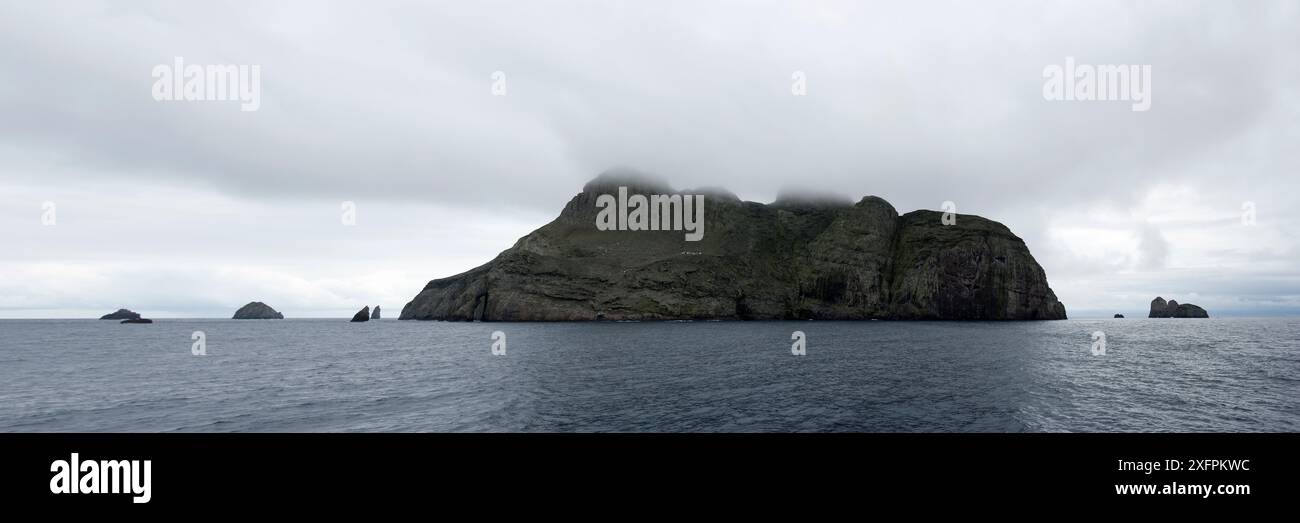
[{"x": 792, "y": 259}]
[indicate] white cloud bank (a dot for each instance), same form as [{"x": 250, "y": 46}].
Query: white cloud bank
[{"x": 191, "y": 209}]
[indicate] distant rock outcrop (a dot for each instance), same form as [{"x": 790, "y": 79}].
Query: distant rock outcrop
[
  {"x": 1119, "y": 315},
  {"x": 137, "y": 320},
  {"x": 801, "y": 257},
  {"x": 362, "y": 315},
  {"x": 375, "y": 315},
  {"x": 257, "y": 311},
  {"x": 121, "y": 314},
  {"x": 1188, "y": 310},
  {"x": 1173, "y": 309}
]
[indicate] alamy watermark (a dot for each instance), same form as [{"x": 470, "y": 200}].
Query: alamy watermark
[
  {"x": 498, "y": 343},
  {"x": 656, "y": 212},
  {"x": 209, "y": 83},
  {"x": 49, "y": 213},
  {"x": 348, "y": 213},
  {"x": 77, "y": 476},
  {"x": 800, "y": 345},
  {"x": 200, "y": 345},
  {"x": 1083, "y": 82},
  {"x": 949, "y": 216},
  {"x": 1098, "y": 343},
  {"x": 498, "y": 83}
]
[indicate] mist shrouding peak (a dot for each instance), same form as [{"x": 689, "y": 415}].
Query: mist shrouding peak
[
  {"x": 805, "y": 197},
  {"x": 637, "y": 182}
]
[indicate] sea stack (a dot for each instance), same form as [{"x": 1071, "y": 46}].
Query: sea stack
[
  {"x": 1173, "y": 309},
  {"x": 793, "y": 259},
  {"x": 1119, "y": 315},
  {"x": 257, "y": 311},
  {"x": 375, "y": 315},
  {"x": 362, "y": 315},
  {"x": 121, "y": 314}
]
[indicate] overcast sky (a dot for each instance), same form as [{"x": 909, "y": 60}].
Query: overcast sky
[{"x": 194, "y": 208}]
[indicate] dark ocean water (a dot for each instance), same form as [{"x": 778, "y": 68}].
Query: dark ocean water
[{"x": 332, "y": 375}]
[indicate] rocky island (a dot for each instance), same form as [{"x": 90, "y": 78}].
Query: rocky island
[
  {"x": 257, "y": 311},
  {"x": 362, "y": 315},
  {"x": 791, "y": 259},
  {"x": 1173, "y": 309},
  {"x": 121, "y": 314}
]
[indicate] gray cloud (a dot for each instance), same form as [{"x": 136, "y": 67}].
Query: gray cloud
[
  {"x": 920, "y": 103},
  {"x": 1153, "y": 249}
]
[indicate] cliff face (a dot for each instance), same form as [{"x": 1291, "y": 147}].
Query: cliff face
[{"x": 793, "y": 259}]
